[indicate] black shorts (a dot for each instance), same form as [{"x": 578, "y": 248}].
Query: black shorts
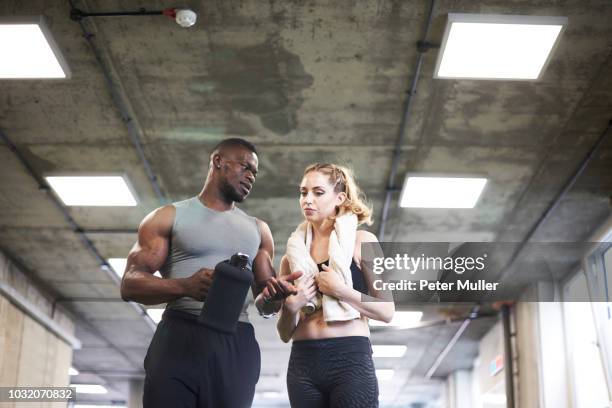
[
  {"x": 332, "y": 373},
  {"x": 191, "y": 366}
]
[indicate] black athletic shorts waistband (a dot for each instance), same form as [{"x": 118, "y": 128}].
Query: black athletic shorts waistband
[
  {"x": 190, "y": 317},
  {"x": 346, "y": 343}
]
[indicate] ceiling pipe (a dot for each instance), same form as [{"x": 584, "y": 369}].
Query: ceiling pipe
[
  {"x": 125, "y": 109},
  {"x": 508, "y": 356},
  {"x": 453, "y": 340},
  {"x": 422, "y": 47},
  {"x": 77, "y": 14},
  {"x": 183, "y": 17},
  {"x": 43, "y": 186}
]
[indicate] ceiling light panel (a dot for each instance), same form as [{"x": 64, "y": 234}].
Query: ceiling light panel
[
  {"x": 155, "y": 314},
  {"x": 388, "y": 351},
  {"x": 403, "y": 319},
  {"x": 441, "y": 192},
  {"x": 28, "y": 50},
  {"x": 385, "y": 374},
  {"x": 89, "y": 388},
  {"x": 510, "y": 47},
  {"x": 92, "y": 190}
]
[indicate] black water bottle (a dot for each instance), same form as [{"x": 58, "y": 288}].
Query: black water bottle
[{"x": 223, "y": 304}]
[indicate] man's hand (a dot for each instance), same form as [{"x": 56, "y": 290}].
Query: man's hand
[
  {"x": 198, "y": 284},
  {"x": 280, "y": 288}
]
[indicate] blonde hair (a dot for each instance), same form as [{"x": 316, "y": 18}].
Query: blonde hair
[{"x": 343, "y": 181}]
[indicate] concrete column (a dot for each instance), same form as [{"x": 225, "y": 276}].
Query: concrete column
[
  {"x": 136, "y": 390},
  {"x": 542, "y": 367},
  {"x": 528, "y": 355},
  {"x": 34, "y": 350}
]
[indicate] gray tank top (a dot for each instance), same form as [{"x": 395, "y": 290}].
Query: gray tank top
[{"x": 201, "y": 238}]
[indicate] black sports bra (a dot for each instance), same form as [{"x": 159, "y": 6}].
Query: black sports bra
[{"x": 358, "y": 282}]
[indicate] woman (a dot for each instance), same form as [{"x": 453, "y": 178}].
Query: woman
[{"x": 331, "y": 356}]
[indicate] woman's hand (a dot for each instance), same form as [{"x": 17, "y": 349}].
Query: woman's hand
[
  {"x": 331, "y": 284},
  {"x": 306, "y": 290}
]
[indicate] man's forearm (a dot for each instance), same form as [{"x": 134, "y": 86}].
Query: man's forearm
[{"x": 143, "y": 287}]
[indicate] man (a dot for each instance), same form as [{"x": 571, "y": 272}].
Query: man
[{"x": 187, "y": 364}]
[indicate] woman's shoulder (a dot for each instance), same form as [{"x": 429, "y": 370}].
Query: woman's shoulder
[
  {"x": 365, "y": 236},
  {"x": 362, "y": 236}
]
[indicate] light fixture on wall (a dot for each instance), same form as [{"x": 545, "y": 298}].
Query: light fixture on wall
[
  {"x": 510, "y": 47},
  {"x": 28, "y": 50},
  {"x": 183, "y": 17}
]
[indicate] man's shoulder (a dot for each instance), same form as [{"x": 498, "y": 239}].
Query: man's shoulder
[
  {"x": 183, "y": 203},
  {"x": 159, "y": 220}
]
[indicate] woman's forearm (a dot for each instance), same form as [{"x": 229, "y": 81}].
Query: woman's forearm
[
  {"x": 376, "y": 309},
  {"x": 287, "y": 322}
]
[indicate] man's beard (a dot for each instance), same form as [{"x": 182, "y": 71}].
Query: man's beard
[{"x": 230, "y": 194}]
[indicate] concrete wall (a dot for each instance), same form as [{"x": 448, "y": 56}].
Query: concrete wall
[
  {"x": 528, "y": 395},
  {"x": 30, "y": 355}
]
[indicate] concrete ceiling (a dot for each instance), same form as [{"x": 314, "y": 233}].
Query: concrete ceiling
[{"x": 306, "y": 81}]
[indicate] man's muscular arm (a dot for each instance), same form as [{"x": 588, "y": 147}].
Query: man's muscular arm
[
  {"x": 148, "y": 255},
  {"x": 266, "y": 285}
]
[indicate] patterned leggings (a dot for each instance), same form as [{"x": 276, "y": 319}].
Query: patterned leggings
[{"x": 332, "y": 373}]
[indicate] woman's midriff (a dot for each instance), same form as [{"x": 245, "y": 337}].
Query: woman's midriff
[{"x": 314, "y": 326}]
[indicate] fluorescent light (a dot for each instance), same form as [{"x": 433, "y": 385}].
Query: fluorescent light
[
  {"x": 477, "y": 46},
  {"x": 155, "y": 314},
  {"x": 383, "y": 351},
  {"x": 92, "y": 190},
  {"x": 441, "y": 192},
  {"x": 73, "y": 371},
  {"x": 400, "y": 319},
  {"x": 270, "y": 394},
  {"x": 384, "y": 374},
  {"x": 98, "y": 406},
  {"x": 89, "y": 388},
  {"x": 118, "y": 265},
  {"x": 28, "y": 51}
]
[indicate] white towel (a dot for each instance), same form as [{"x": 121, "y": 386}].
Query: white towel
[{"x": 341, "y": 249}]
